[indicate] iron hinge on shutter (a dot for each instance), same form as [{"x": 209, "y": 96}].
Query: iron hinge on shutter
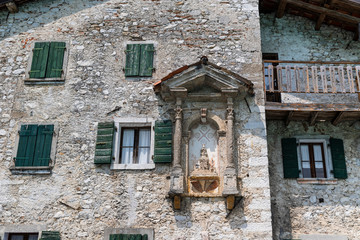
[{"x": 37, "y": 49}]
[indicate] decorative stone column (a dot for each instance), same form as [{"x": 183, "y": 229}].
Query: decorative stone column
[
  {"x": 177, "y": 174},
  {"x": 230, "y": 133},
  {"x": 230, "y": 179},
  {"x": 177, "y": 134}
]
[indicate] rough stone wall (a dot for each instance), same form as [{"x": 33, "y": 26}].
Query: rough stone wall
[
  {"x": 80, "y": 199},
  {"x": 296, "y": 208},
  {"x": 295, "y": 39}
]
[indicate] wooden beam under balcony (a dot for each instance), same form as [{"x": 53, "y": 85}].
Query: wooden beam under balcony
[
  {"x": 281, "y": 9},
  {"x": 312, "y": 113},
  {"x": 338, "y": 118},
  {"x": 318, "y": 9}
]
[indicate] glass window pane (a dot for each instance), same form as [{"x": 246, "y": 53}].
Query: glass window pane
[
  {"x": 33, "y": 237},
  {"x": 128, "y": 138},
  {"x": 306, "y": 164},
  {"x": 305, "y": 153},
  {"x": 320, "y": 172},
  {"x": 17, "y": 237},
  {"x": 127, "y": 155},
  {"x": 306, "y": 173},
  {"x": 144, "y": 154},
  {"x": 144, "y": 138},
  {"x": 319, "y": 165},
  {"x": 317, "y": 153}
]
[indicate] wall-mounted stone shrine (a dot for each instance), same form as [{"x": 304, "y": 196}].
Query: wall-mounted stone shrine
[{"x": 202, "y": 95}]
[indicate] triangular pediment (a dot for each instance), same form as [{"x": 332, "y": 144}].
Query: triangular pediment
[{"x": 203, "y": 80}]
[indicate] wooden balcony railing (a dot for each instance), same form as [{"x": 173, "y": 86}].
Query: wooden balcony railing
[{"x": 311, "y": 77}]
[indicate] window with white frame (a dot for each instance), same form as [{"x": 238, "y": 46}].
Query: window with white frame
[
  {"x": 314, "y": 158},
  {"x": 133, "y": 143}
]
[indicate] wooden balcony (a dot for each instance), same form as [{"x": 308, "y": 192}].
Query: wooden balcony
[{"x": 312, "y": 91}]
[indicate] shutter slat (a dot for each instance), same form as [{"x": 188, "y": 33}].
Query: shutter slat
[
  {"x": 43, "y": 145},
  {"x": 132, "y": 60},
  {"x": 145, "y": 237},
  {"x": 104, "y": 143},
  {"x": 146, "y": 60},
  {"x": 39, "y": 60},
  {"x": 338, "y": 158},
  {"x": 50, "y": 235},
  {"x": 290, "y": 158},
  {"x": 56, "y": 60},
  {"x": 26, "y": 146},
  {"x": 163, "y": 142}
]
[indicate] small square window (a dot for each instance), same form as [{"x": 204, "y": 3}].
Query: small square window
[
  {"x": 139, "y": 60},
  {"x": 23, "y": 236},
  {"x": 313, "y": 160},
  {"x": 135, "y": 145},
  {"x": 129, "y": 233},
  {"x": 48, "y": 63},
  {"x": 35, "y": 148},
  {"x": 319, "y": 157}
]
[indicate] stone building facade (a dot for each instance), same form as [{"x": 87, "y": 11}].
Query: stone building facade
[{"x": 225, "y": 177}]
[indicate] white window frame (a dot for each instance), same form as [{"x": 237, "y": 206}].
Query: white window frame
[
  {"x": 325, "y": 140},
  {"x": 61, "y": 80},
  {"x": 132, "y": 122},
  {"x": 5, "y": 230}
]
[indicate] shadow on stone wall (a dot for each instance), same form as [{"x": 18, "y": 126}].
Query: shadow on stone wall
[{"x": 36, "y": 14}]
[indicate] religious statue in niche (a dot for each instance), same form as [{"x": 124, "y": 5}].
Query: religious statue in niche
[{"x": 203, "y": 161}]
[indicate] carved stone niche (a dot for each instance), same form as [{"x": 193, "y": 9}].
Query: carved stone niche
[{"x": 202, "y": 96}]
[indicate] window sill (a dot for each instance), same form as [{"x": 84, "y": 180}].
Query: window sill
[
  {"x": 116, "y": 166},
  {"x": 317, "y": 181},
  {"x": 44, "y": 81},
  {"x": 30, "y": 170}
]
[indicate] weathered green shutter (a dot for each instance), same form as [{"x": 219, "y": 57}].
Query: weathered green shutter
[
  {"x": 39, "y": 60},
  {"x": 146, "y": 60},
  {"x": 104, "y": 143},
  {"x": 50, "y": 235},
  {"x": 338, "y": 158},
  {"x": 163, "y": 142},
  {"x": 132, "y": 60},
  {"x": 128, "y": 237},
  {"x": 26, "y": 146},
  {"x": 56, "y": 60},
  {"x": 290, "y": 157},
  {"x": 43, "y": 145}
]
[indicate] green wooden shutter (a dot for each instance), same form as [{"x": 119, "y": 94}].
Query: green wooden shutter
[
  {"x": 26, "y": 146},
  {"x": 338, "y": 158},
  {"x": 290, "y": 157},
  {"x": 163, "y": 142},
  {"x": 43, "y": 145},
  {"x": 132, "y": 60},
  {"x": 39, "y": 60},
  {"x": 50, "y": 235},
  {"x": 128, "y": 237},
  {"x": 104, "y": 143},
  {"x": 56, "y": 60},
  {"x": 146, "y": 60}
]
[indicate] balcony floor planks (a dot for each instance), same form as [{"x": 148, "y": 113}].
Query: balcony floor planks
[{"x": 303, "y": 112}]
